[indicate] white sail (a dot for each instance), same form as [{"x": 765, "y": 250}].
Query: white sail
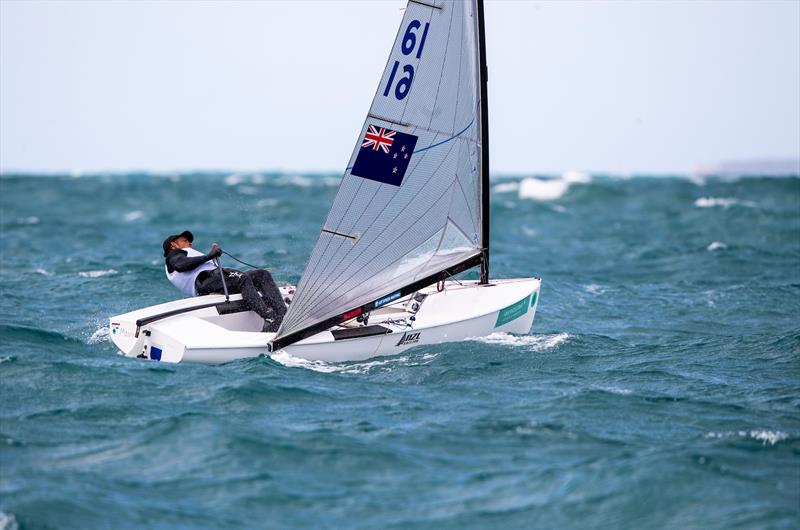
[{"x": 409, "y": 203}]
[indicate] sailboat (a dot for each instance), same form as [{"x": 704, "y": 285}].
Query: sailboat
[{"x": 411, "y": 212}]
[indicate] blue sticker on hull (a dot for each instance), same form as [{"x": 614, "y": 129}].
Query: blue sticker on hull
[
  {"x": 386, "y": 299},
  {"x": 155, "y": 353}
]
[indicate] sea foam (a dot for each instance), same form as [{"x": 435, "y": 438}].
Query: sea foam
[
  {"x": 100, "y": 335},
  {"x": 534, "y": 342},
  {"x": 764, "y": 436},
  {"x": 386, "y": 363}
]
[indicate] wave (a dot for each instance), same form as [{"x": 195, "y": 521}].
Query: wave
[
  {"x": 31, "y": 334},
  {"x": 100, "y": 335},
  {"x": 614, "y": 390},
  {"x": 505, "y": 187},
  {"x": 764, "y": 436},
  {"x": 96, "y": 274},
  {"x": 247, "y": 190},
  {"x": 304, "y": 181},
  {"x": 361, "y": 367},
  {"x": 534, "y": 342},
  {"x": 134, "y": 215},
  {"x": 8, "y": 521},
  {"x": 32, "y": 220},
  {"x": 550, "y": 189},
  {"x": 594, "y": 288},
  {"x": 246, "y": 184},
  {"x": 724, "y": 202},
  {"x": 716, "y": 245}
]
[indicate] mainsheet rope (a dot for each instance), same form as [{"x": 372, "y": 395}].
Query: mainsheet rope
[{"x": 240, "y": 261}]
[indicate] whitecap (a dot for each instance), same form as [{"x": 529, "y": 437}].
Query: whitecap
[
  {"x": 32, "y": 220},
  {"x": 96, "y": 274},
  {"x": 716, "y": 245},
  {"x": 615, "y": 390},
  {"x": 541, "y": 189},
  {"x": 550, "y": 189},
  {"x": 505, "y": 187},
  {"x": 768, "y": 437},
  {"x": 100, "y": 335},
  {"x": 724, "y": 202},
  {"x": 233, "y": 180},
  {"x": 763, "y": 436},
  {"x": 528, "y": 231},
  {"x": 8, "y": 521},
  {"x": 134, "y": 215},
  {"x": 534, "y": 342},
  {"x": 43, "y": 272},
  {"x": 593, "y": 288},
  {"x": 574, "y": 177}
]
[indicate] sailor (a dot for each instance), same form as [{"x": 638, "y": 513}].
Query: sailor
[{"x": 195, "y": 273}]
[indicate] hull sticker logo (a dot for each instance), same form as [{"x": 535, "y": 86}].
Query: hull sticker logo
[
  {"x": 386, "y": 299},
  {"x": 408, "y": 338},
  {"x": 513, "y": 312}
]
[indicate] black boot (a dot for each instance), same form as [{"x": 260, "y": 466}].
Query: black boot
[{"x": 271, "y": 323}]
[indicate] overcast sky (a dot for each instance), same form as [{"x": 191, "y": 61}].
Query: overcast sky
[{"x": 619, "y": 87}]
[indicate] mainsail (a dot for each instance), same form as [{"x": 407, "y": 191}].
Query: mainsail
[{"x": 410, "y": 204}]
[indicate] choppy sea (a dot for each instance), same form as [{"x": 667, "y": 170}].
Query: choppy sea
[{"x": 658, "y": 388}]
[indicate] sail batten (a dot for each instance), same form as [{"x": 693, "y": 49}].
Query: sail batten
[{"x": 409, "y": 205}]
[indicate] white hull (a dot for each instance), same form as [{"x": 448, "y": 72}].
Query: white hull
[{"x": 462, "y": 310}]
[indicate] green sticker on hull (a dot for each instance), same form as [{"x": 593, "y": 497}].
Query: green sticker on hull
[{"x": 513, "y": 311}]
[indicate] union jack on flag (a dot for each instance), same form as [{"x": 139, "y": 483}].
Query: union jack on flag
[
  {"x": 384, "y": 155},
  {"x": 379, "y": 138}
]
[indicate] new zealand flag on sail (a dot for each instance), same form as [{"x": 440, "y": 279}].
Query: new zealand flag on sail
[{"x": 384, "y": 155}]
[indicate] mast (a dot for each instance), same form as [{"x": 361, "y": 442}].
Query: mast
[{"x": 483, "y": 73}]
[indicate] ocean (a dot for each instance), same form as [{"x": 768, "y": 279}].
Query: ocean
[{"x": 658, "y": 388}]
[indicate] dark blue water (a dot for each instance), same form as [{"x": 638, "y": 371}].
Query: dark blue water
[{"x": 659, "y": 387}]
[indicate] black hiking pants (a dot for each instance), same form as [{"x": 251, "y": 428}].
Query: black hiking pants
[{"x": 271, "y": 306}]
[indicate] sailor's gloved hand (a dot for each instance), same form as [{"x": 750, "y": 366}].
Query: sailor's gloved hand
[{"x": 215, "y": 252}]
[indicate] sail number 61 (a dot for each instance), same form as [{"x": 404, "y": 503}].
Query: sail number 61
[{"x": 407, "y": 47}]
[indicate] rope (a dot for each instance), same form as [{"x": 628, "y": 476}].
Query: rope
[{"x": 242, "y": 262}]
